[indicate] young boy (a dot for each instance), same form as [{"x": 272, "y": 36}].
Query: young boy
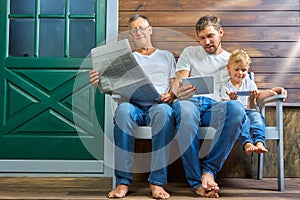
[{"x": 238, "y": 67}]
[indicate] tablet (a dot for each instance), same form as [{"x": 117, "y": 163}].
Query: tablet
[{"x": 204, "y": 84}]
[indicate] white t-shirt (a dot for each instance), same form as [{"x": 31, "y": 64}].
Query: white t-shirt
[
  {"x": 199, "y": 63},
  {"x": 159, "y": 67},
  {"x": 247, "y": 85}
]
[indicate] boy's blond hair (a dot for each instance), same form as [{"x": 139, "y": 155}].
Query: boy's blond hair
[{"x": 239, "y": 56}]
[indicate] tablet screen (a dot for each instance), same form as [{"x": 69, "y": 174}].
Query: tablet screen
[{"x": 204, "y": 84}]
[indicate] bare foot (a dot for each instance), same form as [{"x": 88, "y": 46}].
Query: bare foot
[
  {"x": 260, "y": 148},
  {"x": 119, "y": 192},
  {"x": 205, "y": 193},
  {"x": 250, "y": 148},
  {"x": 209, "y": 187},
  {"x": 158, "y": 192}
]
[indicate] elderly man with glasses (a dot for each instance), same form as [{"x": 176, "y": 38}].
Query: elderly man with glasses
[{"x": 159, "y": 115}]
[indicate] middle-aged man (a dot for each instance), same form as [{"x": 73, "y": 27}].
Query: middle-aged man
[{"x": 207, "y": 59}]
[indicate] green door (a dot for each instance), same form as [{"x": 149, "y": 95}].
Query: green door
[{"x": 47, "y": 104}]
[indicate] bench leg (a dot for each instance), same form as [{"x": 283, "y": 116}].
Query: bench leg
[
  {"x": 280, "y": 167},
  {"x": 260, "y": 166},
  {"x": 279, "y": 112}
]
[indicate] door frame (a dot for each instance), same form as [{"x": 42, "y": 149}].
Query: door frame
[{"x": 99, "y": 168}]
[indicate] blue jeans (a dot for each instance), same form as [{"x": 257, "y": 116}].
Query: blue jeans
[
  {"x": 256, "y": 126},
  {"x": 161, "y": 119},
  {"x": 226, "y": 117}
]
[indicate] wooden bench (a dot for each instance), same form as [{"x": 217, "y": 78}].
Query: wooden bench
[
  {"x": 272, "y": 133},
  {"x": 208, "y": 133}
]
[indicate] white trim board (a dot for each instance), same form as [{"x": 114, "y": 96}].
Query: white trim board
[{"x": 51, "y": 166}]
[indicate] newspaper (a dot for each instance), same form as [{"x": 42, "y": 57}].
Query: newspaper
[{"x": 121, "y": 74}]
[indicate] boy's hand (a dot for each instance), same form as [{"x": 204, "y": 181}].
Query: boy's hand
[
  {"x": 253, "y": 94},
  {"x": 232, "y": 95},
  {"x": 252, "y": 99}
]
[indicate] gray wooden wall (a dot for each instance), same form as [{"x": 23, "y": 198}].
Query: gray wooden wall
[{"x": 268, "y": 30}]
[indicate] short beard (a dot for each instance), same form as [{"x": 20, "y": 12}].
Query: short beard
[{"x": 215, "y": 49}]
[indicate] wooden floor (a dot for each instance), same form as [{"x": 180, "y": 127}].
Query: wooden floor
[{"x": 97, "y": 188}]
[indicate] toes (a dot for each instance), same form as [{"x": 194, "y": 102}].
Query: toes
[
  {"x": 119, "y": 192},
  {"x": 213, "y": 194},
  {"x": 201, "y": 192},
  {"x": 209, "y": 194},
  {"x": 158, "y": 192},
  {"x": 208, "y": 182},
  {"x": 251, "y": 150},
  {"x": 263, "y": 150}
]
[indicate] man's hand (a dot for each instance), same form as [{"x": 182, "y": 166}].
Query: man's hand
[
  {"x": 185, "y": 92},
  {"x": 167, "y": 98},
  {"x": 94, "y": 77},
  {"x": 280, "y": 90},
  {"x": 268, "y": 93}
]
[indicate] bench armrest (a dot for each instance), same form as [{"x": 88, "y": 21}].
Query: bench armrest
[{"x": 278, "y": 97}]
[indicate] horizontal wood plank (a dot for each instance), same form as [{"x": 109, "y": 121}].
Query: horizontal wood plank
[
  {"x": 178, "y": 5},
  {"x": 289, "y": 81},
  {"x": 266, "y": 49},
  {"x": 242, "y": 34},
  {"x": 234, "y": 18},
  {"x": 245, "y": 188},
  {"x": 254, "y": 49},
  {"x": 278, "y": 65}
]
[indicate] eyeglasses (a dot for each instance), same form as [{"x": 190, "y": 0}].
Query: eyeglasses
[{"x": 135, "y": 30}]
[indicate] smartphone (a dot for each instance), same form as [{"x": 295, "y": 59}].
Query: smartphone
[{"x": 243, "y": 93}]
